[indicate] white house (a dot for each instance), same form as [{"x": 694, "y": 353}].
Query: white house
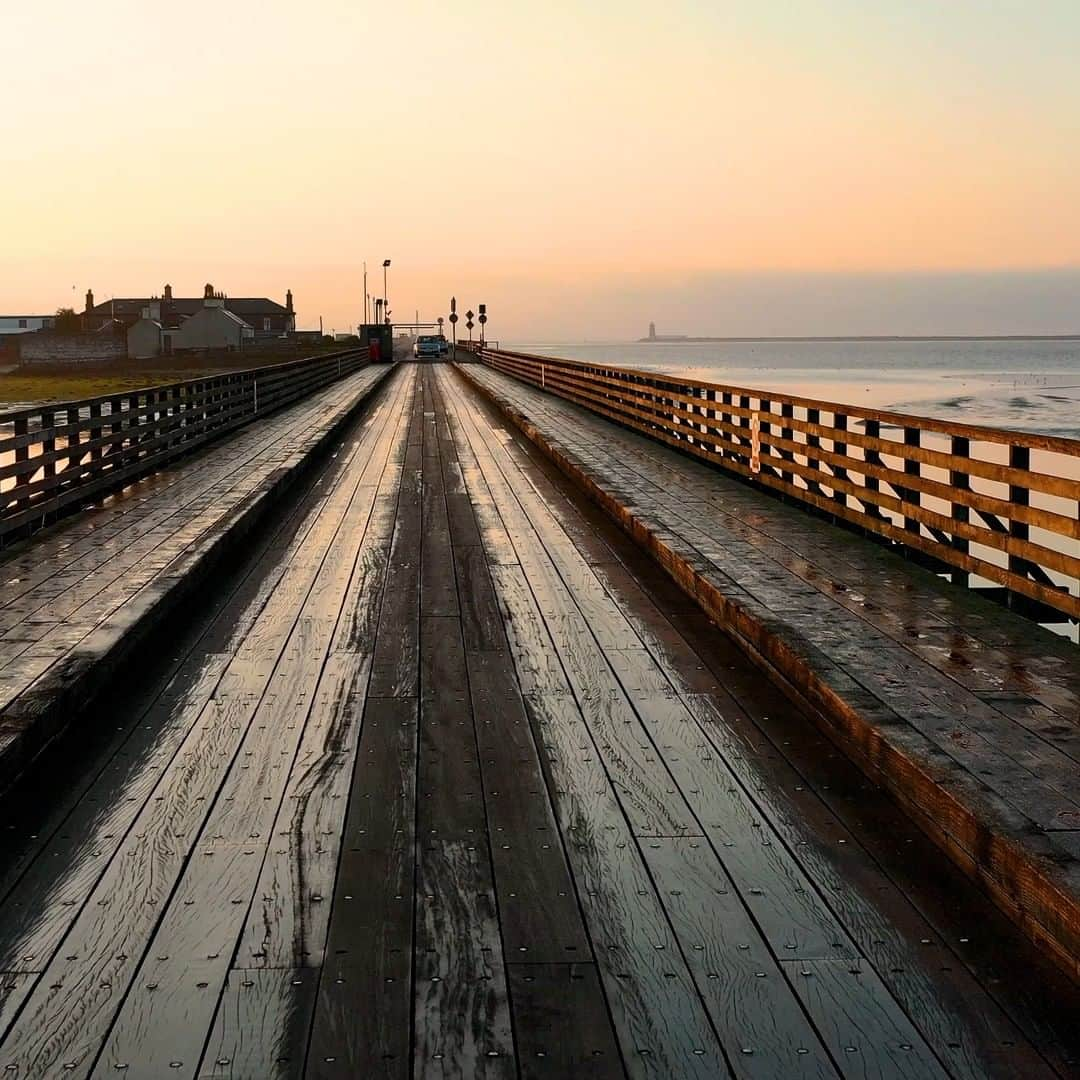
[
  {"x": 144, "y": 338},
  {"x": 24, "y": 324},
  {"x": 212, "y": 327}
]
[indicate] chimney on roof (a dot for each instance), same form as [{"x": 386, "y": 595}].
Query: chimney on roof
[
  {"x": 89, "y": 299},
  {"x": 288, "y": 301},
  {"x": 208, "y": 292},
  {"x": 168, "y": 294}
]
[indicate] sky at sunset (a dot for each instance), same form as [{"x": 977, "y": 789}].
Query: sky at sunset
[{"x": 729, "y": 167}]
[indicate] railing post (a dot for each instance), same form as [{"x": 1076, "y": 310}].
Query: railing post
[
  {"x": 746, "y": 440},
  {"x": 959, "y": 481},
  {"x": 48, "y": 445},
  {"x": 73, "y": 453},
  {"x": 840, "y": 422},
  {"x": 95, "y": 431},
  {"x": 765, "y": 429},
  {"x": 787, "y": 410},
  {"x": 726, "y": 416},
  {"x": 872, "y": 457},
  {"x": 22, "y": 453},
  {"x": 175, "y": 407},
  {"x": 116, "y": 426},
  {"x": 813, "y": 442},
  {"x": 1019, "y": 495},
  {"x": 912, "y": 437}
]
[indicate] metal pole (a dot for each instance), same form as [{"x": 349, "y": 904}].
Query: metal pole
[{"x": 365, "y": 294}]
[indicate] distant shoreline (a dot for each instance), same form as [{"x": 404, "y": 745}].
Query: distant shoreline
[{"x": 669, "y": 339}]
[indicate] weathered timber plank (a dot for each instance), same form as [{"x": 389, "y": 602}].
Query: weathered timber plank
[
  {"x": 261, "y": 1028},
  {"x": 562, "y": 1026}
]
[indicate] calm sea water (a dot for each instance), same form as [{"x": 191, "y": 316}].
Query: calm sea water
[{"x": 1025, "y": 385}]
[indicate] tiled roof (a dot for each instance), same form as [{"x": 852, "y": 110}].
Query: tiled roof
[{"x": 248, "y": 305}]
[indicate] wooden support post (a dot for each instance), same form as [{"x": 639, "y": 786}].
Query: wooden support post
[
  {"x": 715, "y": 443},
  {"x": 1019, "y": 495},
  {"x": 787, "y": 410},
  {"x": 175, "y": 418},
  {"x": 912, "y": 437},
  {"x": 22, "y": 453},
  {"x": 872, "y": 457},
  {"x": 48, "y": 444},
  {"x": 96, "y": 429},
  {"x": 840, "y": 422},
  {"x": 813, "y": 442},
  {"x": 73, "y": 454},
  {"x": 960, "y": 481}
]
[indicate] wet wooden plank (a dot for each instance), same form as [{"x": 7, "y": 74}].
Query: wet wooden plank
[
  {"x": 395, "y": 672},
  {"x": 536, "y": 660},
  {"x": 15, "y": 986},
  {"x": 261, "y": 1027},
  {"x": 538, "y": 910},
  {"x": 757, "y": 1015},
  {"x": 653, "y": 1005},
  {"x": 461, "y": 1009},
  {"x": 562, "y": 1026},
  {"x": 439, "y": 595},
  {"x": 866, "y": 1031},
  {"x": 462, "y": 1013},
  {"x": 361, "y": 1025},
  {"x": 481, "y": 620}
]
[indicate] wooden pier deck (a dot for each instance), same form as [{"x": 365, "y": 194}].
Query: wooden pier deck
[{"x": 447, "y": 778}]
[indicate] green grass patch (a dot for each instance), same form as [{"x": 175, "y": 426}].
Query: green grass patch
[{"x": 33, "y": 383}]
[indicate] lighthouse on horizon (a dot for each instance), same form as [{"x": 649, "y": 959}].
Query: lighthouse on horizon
[{"x": 652, "y": 331}]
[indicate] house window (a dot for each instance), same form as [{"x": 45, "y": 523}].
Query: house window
[
  {"x": 22, "y": 324},
  {"x": 266, "y": 324}
]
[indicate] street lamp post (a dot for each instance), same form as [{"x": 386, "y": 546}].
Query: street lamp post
[{"x": 386, "y": 304}]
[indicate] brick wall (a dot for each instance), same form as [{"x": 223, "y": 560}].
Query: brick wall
[{"x": 71, "y": 348}]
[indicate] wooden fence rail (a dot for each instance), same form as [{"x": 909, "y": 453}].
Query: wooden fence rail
[
  {"x": 982, "y": 503},
  {"x": 61, "y": 455}
]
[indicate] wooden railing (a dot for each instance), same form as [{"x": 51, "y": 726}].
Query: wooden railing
[
  {"x": 61, "y": 455},
  {"x": 982, "y": 503}
]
